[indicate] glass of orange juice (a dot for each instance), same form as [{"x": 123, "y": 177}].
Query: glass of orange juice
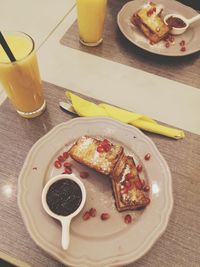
[
  {"x": 91, "y": 16},
  {"x": 21, "y": 78}
]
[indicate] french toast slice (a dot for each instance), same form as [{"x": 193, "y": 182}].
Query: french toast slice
[
  {"x": 110, "y": 160},
  {"x": 148, "y": 20},
  {"x": 128, "y": 192},
  {"x": 102, "y": 156}
]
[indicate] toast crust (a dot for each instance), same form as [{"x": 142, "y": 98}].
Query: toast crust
[{"x": 119, "y": 168}]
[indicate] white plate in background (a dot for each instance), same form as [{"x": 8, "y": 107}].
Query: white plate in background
[{"x": 134, "y": 35}]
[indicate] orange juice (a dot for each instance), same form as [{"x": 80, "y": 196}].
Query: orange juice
[
  {"x": 21, "y": 79},
  {"x": 91, "y": 16}
]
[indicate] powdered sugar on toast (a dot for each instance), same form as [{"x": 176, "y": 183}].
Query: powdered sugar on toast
[{"x": 85, "y": 151}]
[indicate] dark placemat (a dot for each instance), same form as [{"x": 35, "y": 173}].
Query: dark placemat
[
  {"x": 117, "y": 48},
  {"x": 179, "y": 245}
]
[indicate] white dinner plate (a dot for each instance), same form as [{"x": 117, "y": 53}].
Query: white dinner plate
[
  {"x": 95, "y": 242},
  {"x": 134, "y": 35}
]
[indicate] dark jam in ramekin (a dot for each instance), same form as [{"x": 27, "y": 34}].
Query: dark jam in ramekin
[
  {"x": 175, "y": 22},
  {"x": 64, "y": 197}
]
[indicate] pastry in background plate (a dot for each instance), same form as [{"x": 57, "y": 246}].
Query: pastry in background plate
[{"x": 148, "y": 20}]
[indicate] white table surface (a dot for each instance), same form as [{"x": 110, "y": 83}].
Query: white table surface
[{"x": 162, "y": 99}]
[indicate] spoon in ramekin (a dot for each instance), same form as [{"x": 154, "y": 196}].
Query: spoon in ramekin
[
  {"x": 186, "y": 22},
  {"x": 64, "y": 219}
]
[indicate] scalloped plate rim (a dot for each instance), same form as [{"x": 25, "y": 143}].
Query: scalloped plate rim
[{"x": 51, "y": 250}]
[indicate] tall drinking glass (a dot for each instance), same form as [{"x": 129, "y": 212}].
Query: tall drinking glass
[
  {"x": 91, "y": 16},
  {"x": 21, "y": 78}
]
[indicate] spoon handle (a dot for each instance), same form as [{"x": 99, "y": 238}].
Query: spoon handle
[
  {"x": 65, "y": 233},
  {"x": 197, "y": 17}
]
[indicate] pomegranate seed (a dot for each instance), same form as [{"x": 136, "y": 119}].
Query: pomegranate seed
[
  {"x": 128, "y": 176},
  {"x": 183, "y": 49},
  {"x": 92, "y": 212},
  {"x": 146, "y": 188},
  {"x": 142, "y": 182},
  {"x": 107, "y": 147},
  {"x": 105, "y": 216},
  {"x": 105, "y": 141},
  {"x": 139, "y": 167},
  {"x": 86, "y": 216},
  {"x": 60, "y": 158},
  {"x": 147, "y": 156},
  {"x": 150, "y": 12},
  {"x": 65, "y": 155},
  {"x": 182, "y": 43},
  {"x": 57, "y": 164},
  {"x": 124, "y": 190},
  {"x": 167, "y": 44},
  {"x": 84, "y": 174},
  {"x": 100, "y": 149},
  {"x": 138, "y": 184},
  {"x": 67, "y": 164},
  {"x": 127, "y": 183},
  {"x": 68, "y": 170},
  {"x": 128, "y": 219}
]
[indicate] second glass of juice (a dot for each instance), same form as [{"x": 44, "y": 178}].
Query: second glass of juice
[
  {"x": 21, "y": 79},
  {"x": 91, "y": 17}
]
